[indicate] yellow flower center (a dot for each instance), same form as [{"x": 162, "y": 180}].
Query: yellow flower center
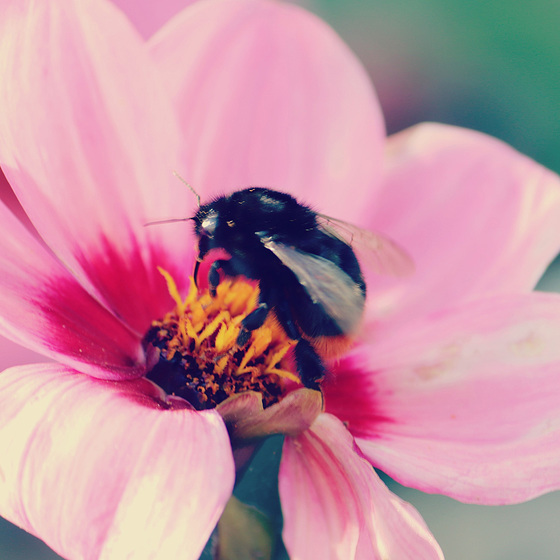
[{"x": 196, "y": 351}]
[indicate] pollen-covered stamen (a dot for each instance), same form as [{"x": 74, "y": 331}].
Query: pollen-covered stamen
[{"x": 198, "y": 355}]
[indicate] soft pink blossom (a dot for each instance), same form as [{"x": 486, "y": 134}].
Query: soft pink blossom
[{"x": 453, "y": 384}]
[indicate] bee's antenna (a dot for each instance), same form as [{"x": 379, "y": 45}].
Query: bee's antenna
[
  {"x": 172, "y": 220},
  {"x": 169, "y": 221},
  {"x": 188, "y": 186}
]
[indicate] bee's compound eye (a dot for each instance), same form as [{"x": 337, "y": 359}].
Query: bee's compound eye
[
  {"x": 230, "y": 223},
  {"x": 209, "y": 223}
]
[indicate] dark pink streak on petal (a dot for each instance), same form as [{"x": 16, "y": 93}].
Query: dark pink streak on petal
[
  {"x": 129, "y": 280},
  {"x": 269, "y": 95},
  {"x": 42, "y": 307},
  {"x": 101, "y": 469},
  {"x": 335, "y": 506},
  {"x": 84, "y": 331},
  {"x": 351, "y": 395}
]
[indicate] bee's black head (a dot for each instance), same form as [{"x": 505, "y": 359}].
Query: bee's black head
[{"x": 238, "y": 221}]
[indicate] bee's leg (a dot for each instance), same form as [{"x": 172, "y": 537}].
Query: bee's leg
[
  {"x": 257, "y": 317},
  {"x": 214, "y": 274},
  {"x": 310, "y": 366},
  {"x": 253, "y": 321}
]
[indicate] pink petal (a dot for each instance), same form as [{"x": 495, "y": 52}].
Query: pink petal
[
  {"x": 477, "y": 217},
  {"x": 148, "y": 16},
  {"x": 268, "y": 95},
  {"x": 88, "y": 141},
  {"x": 101, "y": 470},
  {"x": 336, "y": 507},
  {"x": 465, "y": 404},
  {"x": 43, "y": 308}
]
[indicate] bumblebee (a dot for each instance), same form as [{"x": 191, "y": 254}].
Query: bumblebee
[{"x": 304, "y": 263}]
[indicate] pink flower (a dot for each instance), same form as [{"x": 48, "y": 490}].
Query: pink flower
[{"x": 453, "y": 384}]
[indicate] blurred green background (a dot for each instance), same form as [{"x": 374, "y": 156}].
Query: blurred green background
[{"x": 488, "y": 65}]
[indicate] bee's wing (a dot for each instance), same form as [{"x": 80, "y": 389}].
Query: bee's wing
[
  {"x": 325, "y": 283},
  {"x": 378, "y": 252}
]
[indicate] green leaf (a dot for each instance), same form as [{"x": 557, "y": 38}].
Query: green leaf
[{"x": 244, "y": 533}]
